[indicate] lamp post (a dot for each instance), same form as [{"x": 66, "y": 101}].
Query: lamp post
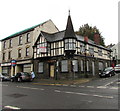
[{"x": 85, "y": 42}]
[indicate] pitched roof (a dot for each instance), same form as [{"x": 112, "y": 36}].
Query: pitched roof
[
  {"x": 24, "y": 31},
  {"x": 69, "y": 32}
]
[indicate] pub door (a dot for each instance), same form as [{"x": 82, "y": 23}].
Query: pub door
[{"x": 52, "y": 71}]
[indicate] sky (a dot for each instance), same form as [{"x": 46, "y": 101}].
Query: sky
[{"x": 17, "y": 15}]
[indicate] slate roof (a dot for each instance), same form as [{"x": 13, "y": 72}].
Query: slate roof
[
  {"x": 60, "y": 36},
  {"x": 69, "y": 33},
  {"x": 24, "y": 31}
]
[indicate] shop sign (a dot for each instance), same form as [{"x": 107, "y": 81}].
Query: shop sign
[
  {"x": 6, "y": 64},
  {"x": 13, "y": 63}
]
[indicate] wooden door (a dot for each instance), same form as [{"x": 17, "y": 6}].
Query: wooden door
[{"x": 52, "y": 71}]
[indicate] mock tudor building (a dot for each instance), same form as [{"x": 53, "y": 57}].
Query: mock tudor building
[
  {"x": 17, "y": 50},
  {"x": 64, "y": 55},
  {"x": 51, "y": 53}
]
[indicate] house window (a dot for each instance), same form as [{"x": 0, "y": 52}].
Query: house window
[
  {"x": 4, "y": 44},
  {"x": 101, "y": 66},
  {"x": 3, "y": 56},
  {"x": 75, "y": 65},
  {"x": 64, "y": 66},
  {"x": 20, "y": 40},
  {"x": 70, "y": 44},
  {"x": 87, "y": 65},
  {"x": 28, "y": 37},
  {"x": 40, "y": 67},
  {"x": 10, "y": 43},
  {"x": 9, "y": 55},
  {"x": 100, "y": 52},
  {"x": 82, "y": 65},
  {"x": 19, "y": 53},
  {"x": 91, "y": 50},
  {"x": 27, "y": 51}
]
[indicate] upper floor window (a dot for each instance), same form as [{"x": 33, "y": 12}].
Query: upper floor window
[
  {"x": 100, "y": 52},
  {"x": 9, "y": 55},
  {"x": 4, "y": 44},
  {"x": 20, "y": 40},
  {"x": 70, "y": 44},
  {"x": 28, "y": 37},
  {"x": 10, "y": 43},
  {"x": 91, "y": 50},
  {"x": 19, "y": 53},
  {"x": 27, "y": 51},
  {"x": 4, "y": 56}
]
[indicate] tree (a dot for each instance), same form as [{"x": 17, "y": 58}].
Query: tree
[{"x": 86, "y": 30}]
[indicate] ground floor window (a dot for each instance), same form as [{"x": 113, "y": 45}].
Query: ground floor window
[
  {"x": 27, "y": 68},
  {"x": 82, "y": 69},
  {"x": 75, "y": 65},
  {"x": 87, "y": 65},
  {"x": 64, "y": 66},
  {"x": 101, "y": 66},
  {"x": 40, "y": 67}
]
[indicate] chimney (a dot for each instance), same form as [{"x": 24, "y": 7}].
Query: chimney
[
  {"x": 97, "y": 38},
  {"x": 86, "y": 39}
]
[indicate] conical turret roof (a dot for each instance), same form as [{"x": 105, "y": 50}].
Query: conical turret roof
[{"x": 69, "y": 32}]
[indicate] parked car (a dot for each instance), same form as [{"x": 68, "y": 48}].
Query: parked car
[
  {"x": 117, "y": 68},
  {"x": 22, "y": 76},
  {"x": 4, "y": 77},
  {"x": 107, "y": 72}
]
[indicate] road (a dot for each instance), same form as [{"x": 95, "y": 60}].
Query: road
[{"x": 101, "y": 93}]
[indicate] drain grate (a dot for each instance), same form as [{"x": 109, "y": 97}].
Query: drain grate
[{"x": 17, "y": 95}]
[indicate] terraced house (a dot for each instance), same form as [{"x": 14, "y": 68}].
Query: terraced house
[{"x": 51, "y": 53}]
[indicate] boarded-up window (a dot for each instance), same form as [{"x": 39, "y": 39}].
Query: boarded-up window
[
  {"x": 101, "y": 66},
  {"x": 75, "y": 65},
  {"x": 64, "y": 66},
  {"x": 82, "y": 65},
  {"x": 40, "y": 67}
]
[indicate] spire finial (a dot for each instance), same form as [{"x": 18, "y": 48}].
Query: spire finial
[{"x": 69, "y": 11}]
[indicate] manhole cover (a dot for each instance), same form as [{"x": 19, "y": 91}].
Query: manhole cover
[{"x": 17, "y": 95}]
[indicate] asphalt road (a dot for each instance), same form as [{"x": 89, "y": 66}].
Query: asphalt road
[{"x": 101, "y": 93}]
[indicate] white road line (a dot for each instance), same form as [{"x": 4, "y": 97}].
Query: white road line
[
  {"x": 81, "y": 86},
  {"x": 57, "y": 91},
  {"x": 90, "y": 86},
  {"x": 29, "y": 88},
  {"x": 118, "y": 83},
  {"x": 11, "y": 107},
  {"x": 84, "y": 94},
  {"x": 65, "y": 85},
  {"x": 113, "y": 88},
  {"x": 103, "y": 87},
  {"x": 73, "y": 85}
]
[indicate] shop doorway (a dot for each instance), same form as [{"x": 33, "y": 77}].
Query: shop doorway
[{"x": 52, "y": 71}]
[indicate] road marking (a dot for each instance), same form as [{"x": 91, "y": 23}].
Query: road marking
[
  {"x": 29, "y": 88},
  {"x": 65, "y": 85},
  {"x": 57, "y": 91},
  {"x": 81, "y": 86},
  {"x": 84, "y": 94},
  {"x": 103, "y": 87},
  {"x": 73, "y": 85},
  {"x": 90, "y": 86},
  {"x": 11, "y": 107},
  {"x": 118, "y": 83},
  {"x": 114, "y": 88}
]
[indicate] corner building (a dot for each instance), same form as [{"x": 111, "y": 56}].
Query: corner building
[{"x": 65, "y": 55}]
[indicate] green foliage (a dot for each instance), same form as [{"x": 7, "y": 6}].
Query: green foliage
[{"x": 86, "y": 30}]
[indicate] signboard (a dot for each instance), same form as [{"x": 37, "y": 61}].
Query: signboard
[
  {"x": 13, "y": 63},
  {"x": 43, "y": 49}
]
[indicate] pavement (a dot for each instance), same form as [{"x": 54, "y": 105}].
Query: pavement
[{"x": 63, "y": 82}]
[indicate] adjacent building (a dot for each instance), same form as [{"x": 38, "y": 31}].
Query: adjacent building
[
  {"x": 116, "y": 53},
  {"x": 51, "y": 53},
  {"x": 17, "y": 49}
]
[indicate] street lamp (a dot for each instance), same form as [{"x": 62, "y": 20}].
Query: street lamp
[{"x": 85, "y": 42}]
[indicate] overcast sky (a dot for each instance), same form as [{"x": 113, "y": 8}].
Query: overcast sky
[{"x": 17, "y": 15}]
